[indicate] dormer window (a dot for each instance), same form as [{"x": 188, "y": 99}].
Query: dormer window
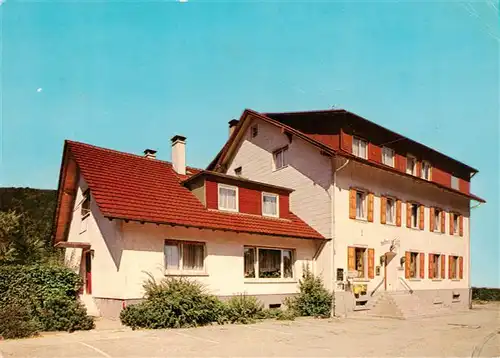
[
  {"x": 85, "y": 208},
  {"x": 228, "y": 197},
  {"x": 270, "y": 205},
  {"x": 359, "y": 147},
  {"x": 411, "y": 165}
]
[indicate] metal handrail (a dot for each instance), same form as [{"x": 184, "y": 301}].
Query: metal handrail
[
  {"x": 407, "y": 286},
  {"x": 376, "y": 288}
]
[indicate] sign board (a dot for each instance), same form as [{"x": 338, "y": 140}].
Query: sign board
[
  {"x": 340, "y": 274},
  {"x": 352, "y": 274}
]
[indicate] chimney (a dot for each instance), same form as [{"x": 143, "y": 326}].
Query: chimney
[
  {"x": 232, "y": 125},
  {"x": 150, "y": 153},
  {"x": 179, "y": 154}
]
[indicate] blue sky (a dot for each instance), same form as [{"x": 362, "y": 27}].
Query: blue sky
[{"x": 129, "y": 75}]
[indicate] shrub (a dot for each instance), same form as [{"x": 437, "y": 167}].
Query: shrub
[
  {"x": 286, "y": 315},
  {"x": 485, "y": 294},
  {"x": 243, "y": 309},
  {"x": 174, "y": 303},
  {"x": 40, "y": 296},
  {"x": 313, "y": 299}
]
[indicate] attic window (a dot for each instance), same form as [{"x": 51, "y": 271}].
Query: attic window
[
  {"x": 254, "y": 131},
  {"x": 85, "y": 209}
]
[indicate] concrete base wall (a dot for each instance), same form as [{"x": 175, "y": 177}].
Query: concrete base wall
[{"x": 345, "y": 302}]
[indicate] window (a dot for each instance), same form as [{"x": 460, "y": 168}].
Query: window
[
  {"x": 436, "y": 266},
  {"x": 255, "y": 130},
  {"x": 414, "y": 265},
  {"x": 360, "y": 205},
  {"x": 269, "y": 204},
  {"x": 238, "y": 171},
  {"x": 454, "y": 218},
  {"x": 453, "y": 262},
  {"x": 415, "y": 215},
  {"x": 454, "y": 182},
  {"x": 411, "y": 164},
  {"x": 85, "y": 209},
  {"x": 228, "y": 198},
  {"x": 426, "y": 170},
  {"x": 390, "y": 211},
  {"x": 268, "y": 263},
  {"x": 360, "y": 257},
  {"x": 359, "y": 147},
  {"x": 388, "y": 156},
  {"x": 184, "y": 256},
  {"x": 437, "y": 220},
  {"x": 280, "y": 158}
]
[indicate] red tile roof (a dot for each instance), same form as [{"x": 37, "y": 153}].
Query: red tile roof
[{"x": 128, "y": 186}]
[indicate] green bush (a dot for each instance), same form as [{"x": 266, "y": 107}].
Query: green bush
[
  {"x": 286, "y": 315},
  {"x": 313, "y": 299},
  {"x": 48, "y": 295},
  {"x": 16, "y": 321},
  {"x": 485, "y": 294},
  {"x": 174, "y": 303},
  {"x": 243, "y": 309}
]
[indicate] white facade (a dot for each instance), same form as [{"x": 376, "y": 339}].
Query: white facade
[{"x": 321, "y": 199}]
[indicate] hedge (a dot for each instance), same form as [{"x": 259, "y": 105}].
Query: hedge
[
  {"x": 485, "y": 294},
  {"x": 40, "y": 298}
]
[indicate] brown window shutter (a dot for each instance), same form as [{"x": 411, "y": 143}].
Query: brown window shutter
[
  {"x": 422, "y": 218},
  {"x": 371, "y": 263},
  {"x": 422, "y": 265},
  {"x": 398, "y": 212},
  {"x": 450, "y": 265},
  {"x": 431, "y": 219},
  {"x": 370, "y": 207},
  {"x": 408, "y": 214},
  {"x": 351, "y": 258},
  {"x": 443, "y": 266},
  {"x": 419, "y": 169},
  {"x": 352, "y": 203},
  {"x": 451, "y": 223},
  {"x": 461, "y": 225},
  {"x": 460, "y": 267},
  {"x": 443, "y": 222},
  {"x": 383, "y": 207},
  {"x": 407, "y": 264},
  {"x": 431, "y": 266}
]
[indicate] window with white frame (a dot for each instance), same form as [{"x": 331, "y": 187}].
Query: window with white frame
[
  {"x": 360, "y": 256},
  {"x": 437, "y": 219},
  {"x": 436, "y": 266},
  {"x": 454, "y": 217},
  {"x": 260, "y": 262},
  {"x": 360, "y": 204},
  {"x": 454, "y": 182},
  {"x": 390, "y": 211},
  {"x": 453, "y": 262},
  {"x": 280, "y": 158},
  {"x": 228, "y": 197},
  {"x": 426, "y": 170},
  {"x": 359, "y": 147},
  {"x": 414, "y": 265},
  {"x": 85, "y": 207},
  {"x": 411, "y": 165},
  {"x": 188, "y": 256},
  {"x": 270, "y": 204},
  {"x": 415, "y": 215},
  {"x": 388, "y": 156}
]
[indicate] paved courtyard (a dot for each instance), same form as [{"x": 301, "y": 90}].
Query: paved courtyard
[{"x": 464, "y": 334}]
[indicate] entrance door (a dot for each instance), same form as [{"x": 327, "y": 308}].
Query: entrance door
[
  {"x": 391, "y": 272},
  {"x": 88, "y": 272}
]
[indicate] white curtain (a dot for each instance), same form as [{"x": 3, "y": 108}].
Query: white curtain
[
  {"x": 192, "y": 256},
  {"x": 227, "y": 198},
  {"x": 172, "y": 256},
  {"x": 270, "y": 205}
]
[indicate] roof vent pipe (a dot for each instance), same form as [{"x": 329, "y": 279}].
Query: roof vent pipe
[{"x": 232, "y": 126}]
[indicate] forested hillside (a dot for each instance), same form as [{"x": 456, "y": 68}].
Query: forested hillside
[{"x": 26, "y": 216}]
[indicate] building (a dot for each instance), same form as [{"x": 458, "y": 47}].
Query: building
[
  {"x": 371, "y": 211},
  {"x": 398, "y": 212},
  {"x": 121, "y": 217}
]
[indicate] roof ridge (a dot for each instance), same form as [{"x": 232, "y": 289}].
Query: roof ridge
[{"x": 115, "y": 151}]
